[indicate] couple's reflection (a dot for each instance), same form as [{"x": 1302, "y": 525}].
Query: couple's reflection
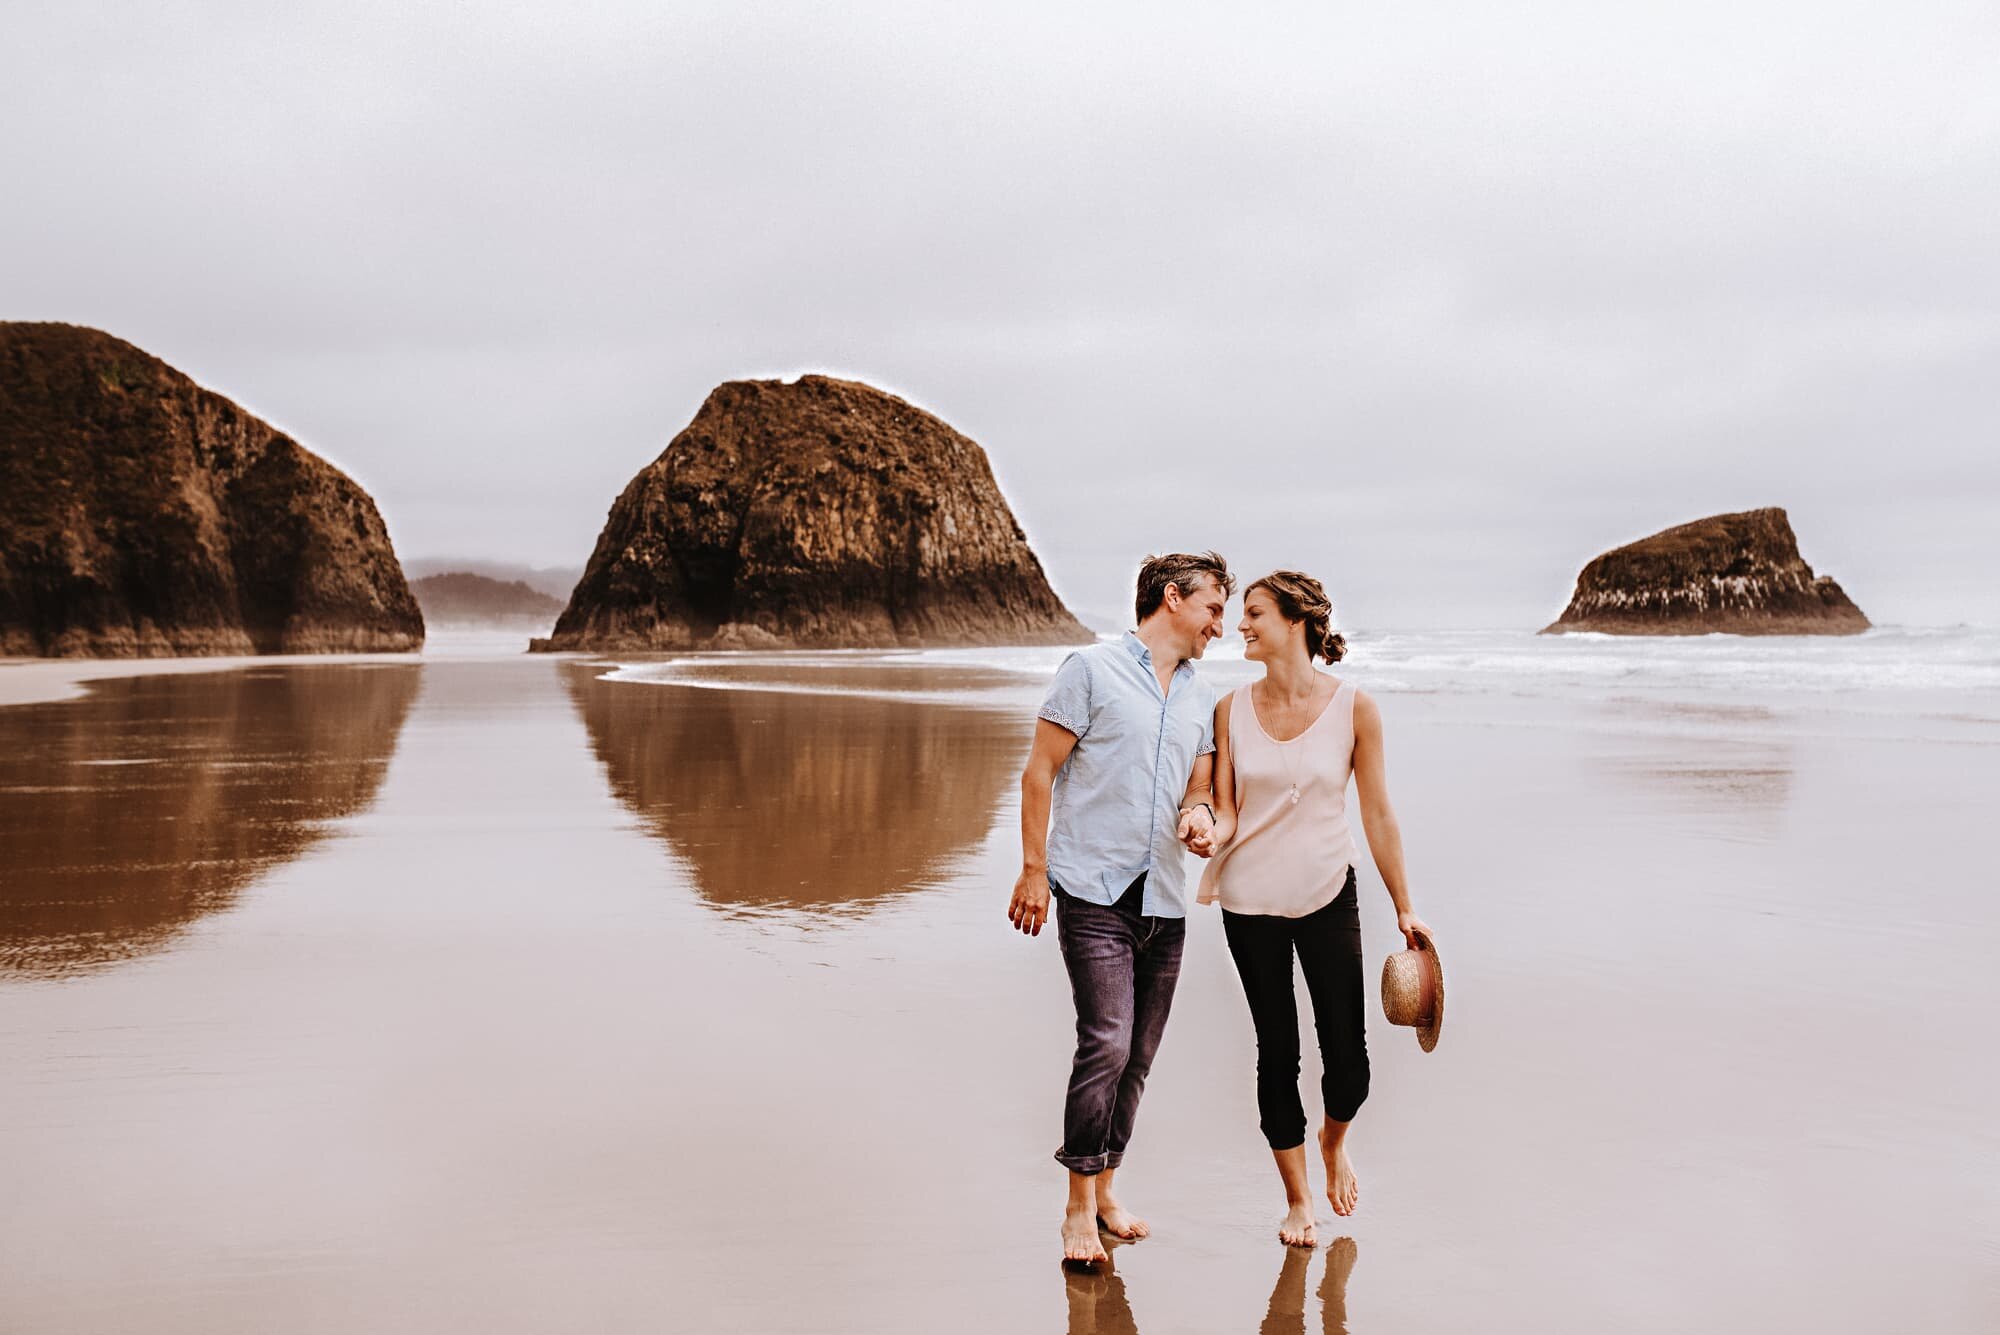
[{"x": 1098, "y": 1306}]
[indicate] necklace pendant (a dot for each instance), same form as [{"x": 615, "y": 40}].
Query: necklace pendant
[{"x": 1295, "y": 794}]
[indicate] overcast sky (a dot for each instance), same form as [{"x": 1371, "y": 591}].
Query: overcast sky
[{"x": 1433, "y": 300}]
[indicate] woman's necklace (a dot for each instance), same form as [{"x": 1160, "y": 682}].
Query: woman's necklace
[
  {"x": 1293, "y": 796},
  {"x": 1291, "y": 770}
]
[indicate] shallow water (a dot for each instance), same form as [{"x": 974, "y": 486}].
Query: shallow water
[{"x": 494, "y": 995}]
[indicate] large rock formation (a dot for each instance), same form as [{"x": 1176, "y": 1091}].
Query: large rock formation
[
  {"x": 1734, "y": 574},
  {"x": 142, "y": 515},
  {"x": 461, "y": 597},
  {"x": 821, "y": 513}
]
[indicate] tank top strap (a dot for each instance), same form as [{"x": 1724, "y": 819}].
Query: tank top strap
[{"x": 1239, "y": 701}]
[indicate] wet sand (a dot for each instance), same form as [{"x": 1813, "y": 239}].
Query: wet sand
[{"x": 493, "y": 996}]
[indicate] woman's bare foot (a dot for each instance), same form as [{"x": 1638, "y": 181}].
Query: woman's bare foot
[
  {"x": 1297, "y": 1227},
  {"x": 1080, "y": 1241},
  {"x": 1341, "y": 1188}
]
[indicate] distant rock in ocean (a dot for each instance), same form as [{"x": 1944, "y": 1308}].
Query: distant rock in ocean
[
  {"x": 555, "y": 581},
  {"x": 142, "y": 515},
  {"x": 1733, "y": 574},
  {"x": 462, "y": 597},
  {"x": 823, "y": 514}
]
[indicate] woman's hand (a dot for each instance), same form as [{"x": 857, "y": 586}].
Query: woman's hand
[{"x": 1409, "y": 924}]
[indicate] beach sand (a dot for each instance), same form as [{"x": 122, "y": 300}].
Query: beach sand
[{"x": 489, "y": 994}]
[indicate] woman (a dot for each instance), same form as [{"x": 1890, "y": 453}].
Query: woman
[{"x": 1283, "y": 870}]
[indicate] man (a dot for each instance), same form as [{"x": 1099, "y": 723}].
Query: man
[{"x": 1120, "y": 769}]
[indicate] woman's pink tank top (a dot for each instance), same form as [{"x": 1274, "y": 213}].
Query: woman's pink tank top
[{"x": 1293, "y": 846}]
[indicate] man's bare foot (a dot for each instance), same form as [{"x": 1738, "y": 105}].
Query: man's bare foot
[
  {"x": 1080, "y": 1242},
  {"x": 1296, "y": 1229},
  {"x": 1119, "y": 1222}
]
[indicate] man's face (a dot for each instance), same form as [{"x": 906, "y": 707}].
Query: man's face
[{"x": 1197, "y": 618}]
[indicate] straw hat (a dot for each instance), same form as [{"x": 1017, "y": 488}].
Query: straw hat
[{"x": 1413, "y": 991}]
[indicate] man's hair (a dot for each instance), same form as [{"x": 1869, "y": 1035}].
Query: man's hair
[{"x": 1184, "y": 572}]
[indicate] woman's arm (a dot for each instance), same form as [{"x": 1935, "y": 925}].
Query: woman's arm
[
  {"x": 1200, "y": 792},
  {"x": 1205, "y": 842},
  {"x": 1378, "y": 818}
]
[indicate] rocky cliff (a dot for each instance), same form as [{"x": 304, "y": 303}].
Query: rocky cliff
[
  {"x": 142, "y": 515},
  {"x": 1735, "y": 574},
  {"x": 821, "y": 513}
]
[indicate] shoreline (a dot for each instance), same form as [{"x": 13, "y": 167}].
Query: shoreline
[{"x": 34, "y": 681}]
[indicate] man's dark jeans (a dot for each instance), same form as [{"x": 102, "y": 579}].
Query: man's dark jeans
[{"x": 1122, "y": 970}]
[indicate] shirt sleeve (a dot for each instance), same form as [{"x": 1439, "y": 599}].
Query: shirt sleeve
[
  {"x": 1067, "y": 705},
  {"x": 1206, "y": 746}
]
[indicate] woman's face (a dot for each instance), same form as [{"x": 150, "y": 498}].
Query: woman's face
[{"x": 1266, "y": 634}]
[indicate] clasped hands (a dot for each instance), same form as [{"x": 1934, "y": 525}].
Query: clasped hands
[{"x": 1202, "y": 832}]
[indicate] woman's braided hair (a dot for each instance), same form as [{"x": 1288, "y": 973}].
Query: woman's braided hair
[{"x": 1300, "y": 597}]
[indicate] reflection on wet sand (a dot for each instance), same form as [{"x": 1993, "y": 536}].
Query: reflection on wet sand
[
  {"x": 128, "y": 814},
  {"x": 1098, "y": 1305},
  {"x": 1704, "y": 758},
  {"x": 1734, "y": 787},
  {"x": 780, "y": 799},
  {"x": 1287, "y": 1313},
  {"x": 1096, "y": 1297},
  {"x": 1764, "y": 786}
]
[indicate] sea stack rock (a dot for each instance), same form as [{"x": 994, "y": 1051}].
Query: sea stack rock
[
  {"x": 142, "y": 515},
  {"x": 817, "y": 514},
  {"x": 1734, "y": 574}
]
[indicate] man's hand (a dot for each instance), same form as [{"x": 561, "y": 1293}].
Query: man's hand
[
  {"x": 1029, "y": 908},
  {"x": 1211, "y": 841}
]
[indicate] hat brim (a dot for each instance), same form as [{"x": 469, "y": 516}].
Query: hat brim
[{"x": 1427, "y": 1034}]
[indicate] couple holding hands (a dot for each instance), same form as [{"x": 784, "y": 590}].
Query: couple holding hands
[{"x": 1133, "y": 759}]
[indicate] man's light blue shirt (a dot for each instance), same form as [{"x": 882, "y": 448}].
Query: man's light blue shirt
[{"x": 1117, "y": 799}]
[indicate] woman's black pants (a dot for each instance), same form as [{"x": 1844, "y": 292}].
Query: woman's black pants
[{"x": 1328, "y": 942}]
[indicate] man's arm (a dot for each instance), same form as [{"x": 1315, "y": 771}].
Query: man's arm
[{"x": 1029, "y": 908}]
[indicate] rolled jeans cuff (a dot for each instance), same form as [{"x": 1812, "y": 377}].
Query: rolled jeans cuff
[{"x": 1090, "y": 1165}]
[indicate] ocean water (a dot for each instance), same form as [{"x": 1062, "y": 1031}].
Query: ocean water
[{"x": 1921, "y": 683}]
